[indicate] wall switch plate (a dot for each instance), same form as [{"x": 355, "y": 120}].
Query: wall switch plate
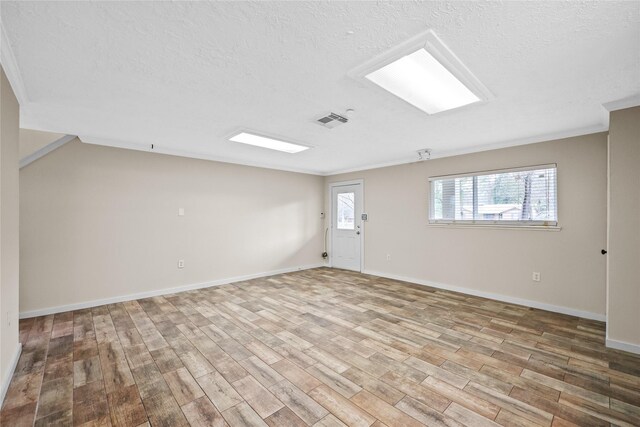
[
  {"x": 181, "y": 212},
  {"x": 180, "y": 263},
  {"x": 535, "y": 276}
]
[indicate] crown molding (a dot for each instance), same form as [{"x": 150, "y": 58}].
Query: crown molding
[
  {"x": 449, "y": 153},
  {"x": 46, "y": 150},
  {"x": 488, "y": 147},
  {"x": 181, "y": 153},
  {"x": 621, "y": 104}
]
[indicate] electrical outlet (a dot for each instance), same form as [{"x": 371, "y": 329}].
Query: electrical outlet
[
  {"x": 535, "y": 276},
  {"x": 388, "y": 257},
  {"x": 180, "y": 263}
]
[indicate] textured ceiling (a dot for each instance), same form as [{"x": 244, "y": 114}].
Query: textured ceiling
[{"x": 184, "y": 75}]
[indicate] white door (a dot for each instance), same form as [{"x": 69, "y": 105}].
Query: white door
[{"x": 346, "y": 227}]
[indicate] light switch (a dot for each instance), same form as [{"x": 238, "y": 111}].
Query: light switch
[{"x": 181, "y": 212}]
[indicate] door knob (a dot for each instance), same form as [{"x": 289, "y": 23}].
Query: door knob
[
  {"x": 357, "y": 232},
  {"x": 603, "y": 252}
]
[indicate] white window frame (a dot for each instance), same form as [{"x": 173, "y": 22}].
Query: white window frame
[{"x": 495, "y": 223}]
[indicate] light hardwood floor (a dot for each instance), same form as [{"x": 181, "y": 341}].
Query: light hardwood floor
[{"x": 320, "y": 347}]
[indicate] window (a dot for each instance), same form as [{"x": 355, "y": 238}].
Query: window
[
  {"x": 346, "y": 211},
  {"x": 524, "y": 196}
]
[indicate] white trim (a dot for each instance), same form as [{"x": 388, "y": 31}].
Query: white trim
[
  {"x": 624, "y": 346},
  {"x": 494, "y": 223},
  {"x": 606, "y": 278},
  {"x": 159, "y": 292},
  {"x": 621, "y": 104},
  {"x": 7, "y": 379},
  {"x": 330, "y": 217},
  {"x": 494, "y": 296},
  {"x": 589, "y": 130},
  {"x": 46, "y": 150},
  {"x": 342, "y": 183},
  {"x": 434, "y": 155},
  {"x": 180, "y": 153},
  {"x": 493, "y": 226}
]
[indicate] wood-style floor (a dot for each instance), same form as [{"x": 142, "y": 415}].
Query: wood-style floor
[{"x": 321, "y": 348}]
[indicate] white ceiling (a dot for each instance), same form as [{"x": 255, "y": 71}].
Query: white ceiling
[{"x": 183, "y": 76}]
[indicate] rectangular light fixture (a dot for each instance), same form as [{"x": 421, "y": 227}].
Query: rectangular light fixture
[
  {"x": 266, "y": 142},
  {"x": 422, "y": 81}
]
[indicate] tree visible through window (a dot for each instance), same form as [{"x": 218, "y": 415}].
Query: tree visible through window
[
  {"x": 520, "y": 196},
  {"x": 346, "y": 211}
]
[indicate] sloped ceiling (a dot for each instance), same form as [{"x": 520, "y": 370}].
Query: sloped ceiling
[{"x": 184, "y": 75}]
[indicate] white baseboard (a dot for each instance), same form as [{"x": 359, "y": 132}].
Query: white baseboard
[
  {"x": 621, "y": 345},
  {"x": 159, "y": 292},
  {"x": 498, "y": 297},
  {"x": 7, "y": 379}
]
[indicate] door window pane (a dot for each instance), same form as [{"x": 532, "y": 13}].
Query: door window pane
[{"x": 346, "y": 211}]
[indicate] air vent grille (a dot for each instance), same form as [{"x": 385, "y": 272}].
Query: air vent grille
[{"x": 331, "y": 120}]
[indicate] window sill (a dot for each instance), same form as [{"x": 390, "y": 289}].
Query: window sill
[{"x": 500, "y": 227}]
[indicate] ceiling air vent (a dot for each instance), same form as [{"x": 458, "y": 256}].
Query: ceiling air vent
[{"x": 332, "y": 120}]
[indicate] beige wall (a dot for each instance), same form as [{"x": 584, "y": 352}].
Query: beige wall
[
  {"x": 624, "y": 227},
  {"x": 9, "y": 113},
  {"x": 99, "y": 222},
  {"x": 490, "y": 260}
]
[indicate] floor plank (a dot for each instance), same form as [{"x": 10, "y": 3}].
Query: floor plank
[
  {"x": 341, "y": 407},
  {"x": 319, "y": 347},
  {"x": 202, "y": 413}
]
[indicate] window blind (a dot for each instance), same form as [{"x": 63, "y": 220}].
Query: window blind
[{"x": 522, "y": 196}]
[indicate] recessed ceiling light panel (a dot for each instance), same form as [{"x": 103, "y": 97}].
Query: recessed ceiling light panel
[
  {"x": 267, "y": 142},
  {"x": 423, "y": 82},
  {"x": 424, "y": 73}
]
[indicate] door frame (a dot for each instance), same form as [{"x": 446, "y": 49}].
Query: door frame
[
  {"x": 331, "y": 186},
  {"x": 606, "y": 280}
]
